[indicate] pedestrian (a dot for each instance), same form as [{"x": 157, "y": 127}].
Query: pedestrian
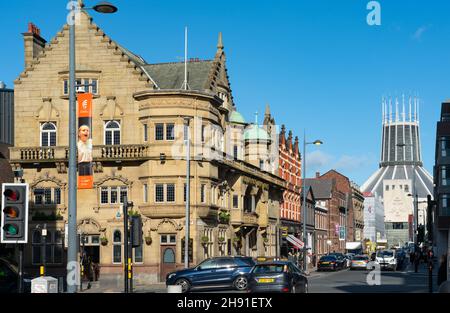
[
  {"x": 416, "y": 261},
  {"x": 314, "y": 259},
  {"x": 442, "y": 272},
  {"x": 411, "y": 257}
]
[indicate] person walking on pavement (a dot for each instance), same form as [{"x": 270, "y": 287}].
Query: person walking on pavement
[
  {"x": 442, "y": 272},
  {"x": 411, "y": 257},
  {"x": 416, "y": 261}
]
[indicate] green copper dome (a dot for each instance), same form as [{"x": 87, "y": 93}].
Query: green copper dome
[
  {"x": 236, "y": 117},
  {"x": 254, "y": 132}
]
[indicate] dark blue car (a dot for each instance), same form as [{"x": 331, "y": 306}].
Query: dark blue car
[{"x": 220, "y": 272}]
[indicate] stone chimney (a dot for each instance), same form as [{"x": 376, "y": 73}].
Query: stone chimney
[
  {"x": 317, "y": 174},
  {"x": 34, "y": 44}
]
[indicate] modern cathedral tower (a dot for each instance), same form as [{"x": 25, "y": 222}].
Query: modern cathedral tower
[{"x": 401, "y": 175}]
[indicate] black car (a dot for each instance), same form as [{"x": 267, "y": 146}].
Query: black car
[
  {"x": 340, "y": 259},
  {"x": 328, "y": 262},
  {"x": 219, "y": 272},
  {"x": 279, "y": 276},
  {"x": 9, "y": 277}
]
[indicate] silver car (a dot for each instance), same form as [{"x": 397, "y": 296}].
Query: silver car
[{"x": 359, "y": 262}]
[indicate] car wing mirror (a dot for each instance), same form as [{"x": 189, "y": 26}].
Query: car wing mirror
[{"x": 198, "y": 268}]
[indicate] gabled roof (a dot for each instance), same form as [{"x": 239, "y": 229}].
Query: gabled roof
[
  {"x": 171, "y": 75},
  {"x": 322, "y": 187}
]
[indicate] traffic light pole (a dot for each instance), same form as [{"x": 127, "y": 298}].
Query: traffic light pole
[
  {"x": 20, "y": 268},
  {"x": 125, "y": 238},
  {"x": 130, "y": 260}
]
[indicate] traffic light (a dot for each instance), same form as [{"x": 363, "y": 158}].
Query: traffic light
[
  {"x": 14, "y": 214},
  {"x": 136, "y": 231}
]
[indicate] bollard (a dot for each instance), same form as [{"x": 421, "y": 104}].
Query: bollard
[{"x": 174, "y": 289}]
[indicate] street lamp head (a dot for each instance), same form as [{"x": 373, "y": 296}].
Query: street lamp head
[
  {"x": 105, "y": 7},
  {"x": 318, "y": 142}
]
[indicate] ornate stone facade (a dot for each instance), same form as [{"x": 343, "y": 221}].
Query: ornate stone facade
[{"x": 231, "y": 197}]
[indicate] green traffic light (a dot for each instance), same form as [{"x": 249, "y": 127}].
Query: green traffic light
[{"x": 11, "y": 229}]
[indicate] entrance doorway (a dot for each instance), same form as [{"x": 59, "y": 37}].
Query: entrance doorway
[
  {"x": 167, "y": 263},
  {"x": 90, "y": 248}
]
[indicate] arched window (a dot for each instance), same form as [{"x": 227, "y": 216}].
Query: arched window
[
  {"x": 112, "y": 133},
  {"x": 48, "y": 135},
  {"x": 117, "y": 246}
]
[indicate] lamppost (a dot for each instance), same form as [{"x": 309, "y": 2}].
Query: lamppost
[
  {"x": 187, "y": 121},
  {"x": 413, "y": 194},
  {"x": 102, "y": 7},
  {"x": 305, "y": 237}
]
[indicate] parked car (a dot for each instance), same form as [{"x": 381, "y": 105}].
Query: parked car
[
  {"x": 329, "y": 262},
  {"x": 219, "y": 272},
  {"x": 386, "y": 259},
  {"x": 359, "y": 262},
  {"x": 342, "y": 262},
  {"x": 9, "y": 277},
  {"x": 348, "y": 258},
  {"x": 279, "y": 276}
]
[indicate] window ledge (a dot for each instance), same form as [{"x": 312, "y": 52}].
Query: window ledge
[{"x": 66, "y": 97}]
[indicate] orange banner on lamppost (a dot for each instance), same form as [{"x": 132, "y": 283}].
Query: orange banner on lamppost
[{"x": 84, "y": 145}]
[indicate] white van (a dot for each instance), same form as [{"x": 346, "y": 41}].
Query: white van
[{"x": 386, "y": 259}]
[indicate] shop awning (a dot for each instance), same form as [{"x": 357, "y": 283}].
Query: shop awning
[{"x": 353, "y": 245}]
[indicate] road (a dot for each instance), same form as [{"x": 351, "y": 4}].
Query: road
[{"x": 346, "y": 281}]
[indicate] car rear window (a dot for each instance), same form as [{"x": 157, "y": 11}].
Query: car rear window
[
  {"x": 244, "y": 262},
  {"x": 269, "y": 268},
  {"x": 328, "y": 258},
  {"x": 360, "y": 258}
]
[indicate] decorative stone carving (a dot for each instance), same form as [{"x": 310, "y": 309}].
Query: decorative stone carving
[
  {"x": 47, "y": 177},
  {"x": 90, "y": 225},
  {"x": 161, "y": 224},
  {"x": 111, "y": 110},
  {"x": 47, "y": 111}
]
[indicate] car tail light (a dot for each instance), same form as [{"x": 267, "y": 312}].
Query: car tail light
[
  {"x": 333, "y": 263},
  {"x": 285, "y": 289}
]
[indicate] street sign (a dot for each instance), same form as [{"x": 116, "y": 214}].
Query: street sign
[
  {"x": 295, "y": 241},
  {"x": 284, "y": 231}
]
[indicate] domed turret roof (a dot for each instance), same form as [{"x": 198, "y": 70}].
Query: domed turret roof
[
  {"x": 236, "y": 117},
  {"x": 254, "y": 132}
]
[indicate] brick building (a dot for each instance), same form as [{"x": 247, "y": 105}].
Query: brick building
[
  {"x": 343, "y": 213},
  {"x": 290, "y": 172}
]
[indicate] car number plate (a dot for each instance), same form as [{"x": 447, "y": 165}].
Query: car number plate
[
  {"x": 266, "y": 280},
  {"x": 325, "y": 262}
]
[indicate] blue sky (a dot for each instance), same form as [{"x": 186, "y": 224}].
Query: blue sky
[{"x": 318, "y": 63}]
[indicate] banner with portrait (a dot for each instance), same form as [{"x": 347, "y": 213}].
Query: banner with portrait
[{"x": 84, "y": 143}]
